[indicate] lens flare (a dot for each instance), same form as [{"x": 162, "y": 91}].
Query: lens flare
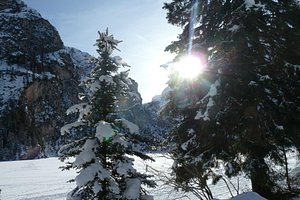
[{"x": 189, "y": 67}]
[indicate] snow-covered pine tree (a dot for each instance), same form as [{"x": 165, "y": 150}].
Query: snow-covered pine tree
[
  {"x": 103, "y": 159},
  {"x": 249, "y": 116}
]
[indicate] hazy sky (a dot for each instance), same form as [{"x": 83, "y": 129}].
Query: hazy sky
[{"x": 140, "y": 24}]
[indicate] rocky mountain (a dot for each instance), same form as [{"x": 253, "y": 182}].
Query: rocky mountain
[
  {"x": 39, "y": 80},
  {"x": 153, "y": 125}
]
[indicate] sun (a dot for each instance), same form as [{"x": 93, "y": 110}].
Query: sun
[{"x": 189, "y": 67}]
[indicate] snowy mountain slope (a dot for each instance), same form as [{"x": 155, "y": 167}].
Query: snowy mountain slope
[
  {"x": 24, "y": 33},
  {"x": 41, "y": 179},
  {"x": 39, "y": 82},
  {"x": 153, "y": 126},
  {"x": 162, "y": 99}
]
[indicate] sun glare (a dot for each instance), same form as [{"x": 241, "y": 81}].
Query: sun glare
[{"x": 189, "y": 67}]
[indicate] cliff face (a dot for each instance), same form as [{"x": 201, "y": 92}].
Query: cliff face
[
  {"x": 153, "y": 124},
  {"x": 39, "y": 80},
  {"x": 25, "y": 34}
]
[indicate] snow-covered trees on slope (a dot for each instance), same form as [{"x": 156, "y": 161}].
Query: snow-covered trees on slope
[
  {"x": 104, "y": 158},
  {"x": 243, "y": 112}
]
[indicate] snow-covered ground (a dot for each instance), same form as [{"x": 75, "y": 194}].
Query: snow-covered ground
[
  {"x": 34, "y": 180},
  {"x": 43, "y": 180},
  {"x": 162, "y": 171}
]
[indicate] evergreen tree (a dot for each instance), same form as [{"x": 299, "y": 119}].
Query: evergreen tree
[
  {"x": 248, "y": 117},
  {"x": 105, "y": 169}
]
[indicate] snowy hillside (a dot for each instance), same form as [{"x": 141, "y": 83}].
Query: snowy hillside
[
  {"x": 41, "y": 180},
  {"x": 39, "y": 82}
]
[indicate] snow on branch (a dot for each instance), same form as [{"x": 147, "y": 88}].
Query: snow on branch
[
  {"x": 124, "y": 167},
  {"x": 251, "y": 4},
  {"x": 211, "y": 93},
  {"x": 108, "y": 79},
  {"x": 119, "y": 61},
  {"x": 185, "y": 145},
  {"x": 133, "y": 187},
  {"x": 94, "y": 86},
  {"x": 84, "y": 109},
  {"x": 67, "y": 128},
  {"x": 78, "y": 108},
  {"x": 87, "y": 154},
  {"x": 133, "y": 128},
  {"x": 106, "y": 43},
  {"x": 87, "y": 174}
]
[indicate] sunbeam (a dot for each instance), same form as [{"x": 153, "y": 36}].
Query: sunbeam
[{"x": 194, "y": 11}]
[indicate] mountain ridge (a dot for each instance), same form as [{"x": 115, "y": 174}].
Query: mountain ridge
[{"x": 39, "y": 82}]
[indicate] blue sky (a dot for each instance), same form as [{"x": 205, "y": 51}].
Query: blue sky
[{"x": 140, "y": 24}]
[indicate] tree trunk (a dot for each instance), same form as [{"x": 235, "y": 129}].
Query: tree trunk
[
  {"x": 259, "y": 171},
  {"x": 286, "y": 164},
  {"x": 260, "y": 179}
]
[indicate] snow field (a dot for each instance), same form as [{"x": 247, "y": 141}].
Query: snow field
[
  {"x": 35, "y": 180},
  {"x": 43, "y": 180},
  {"x": 161, "y": 168}
]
